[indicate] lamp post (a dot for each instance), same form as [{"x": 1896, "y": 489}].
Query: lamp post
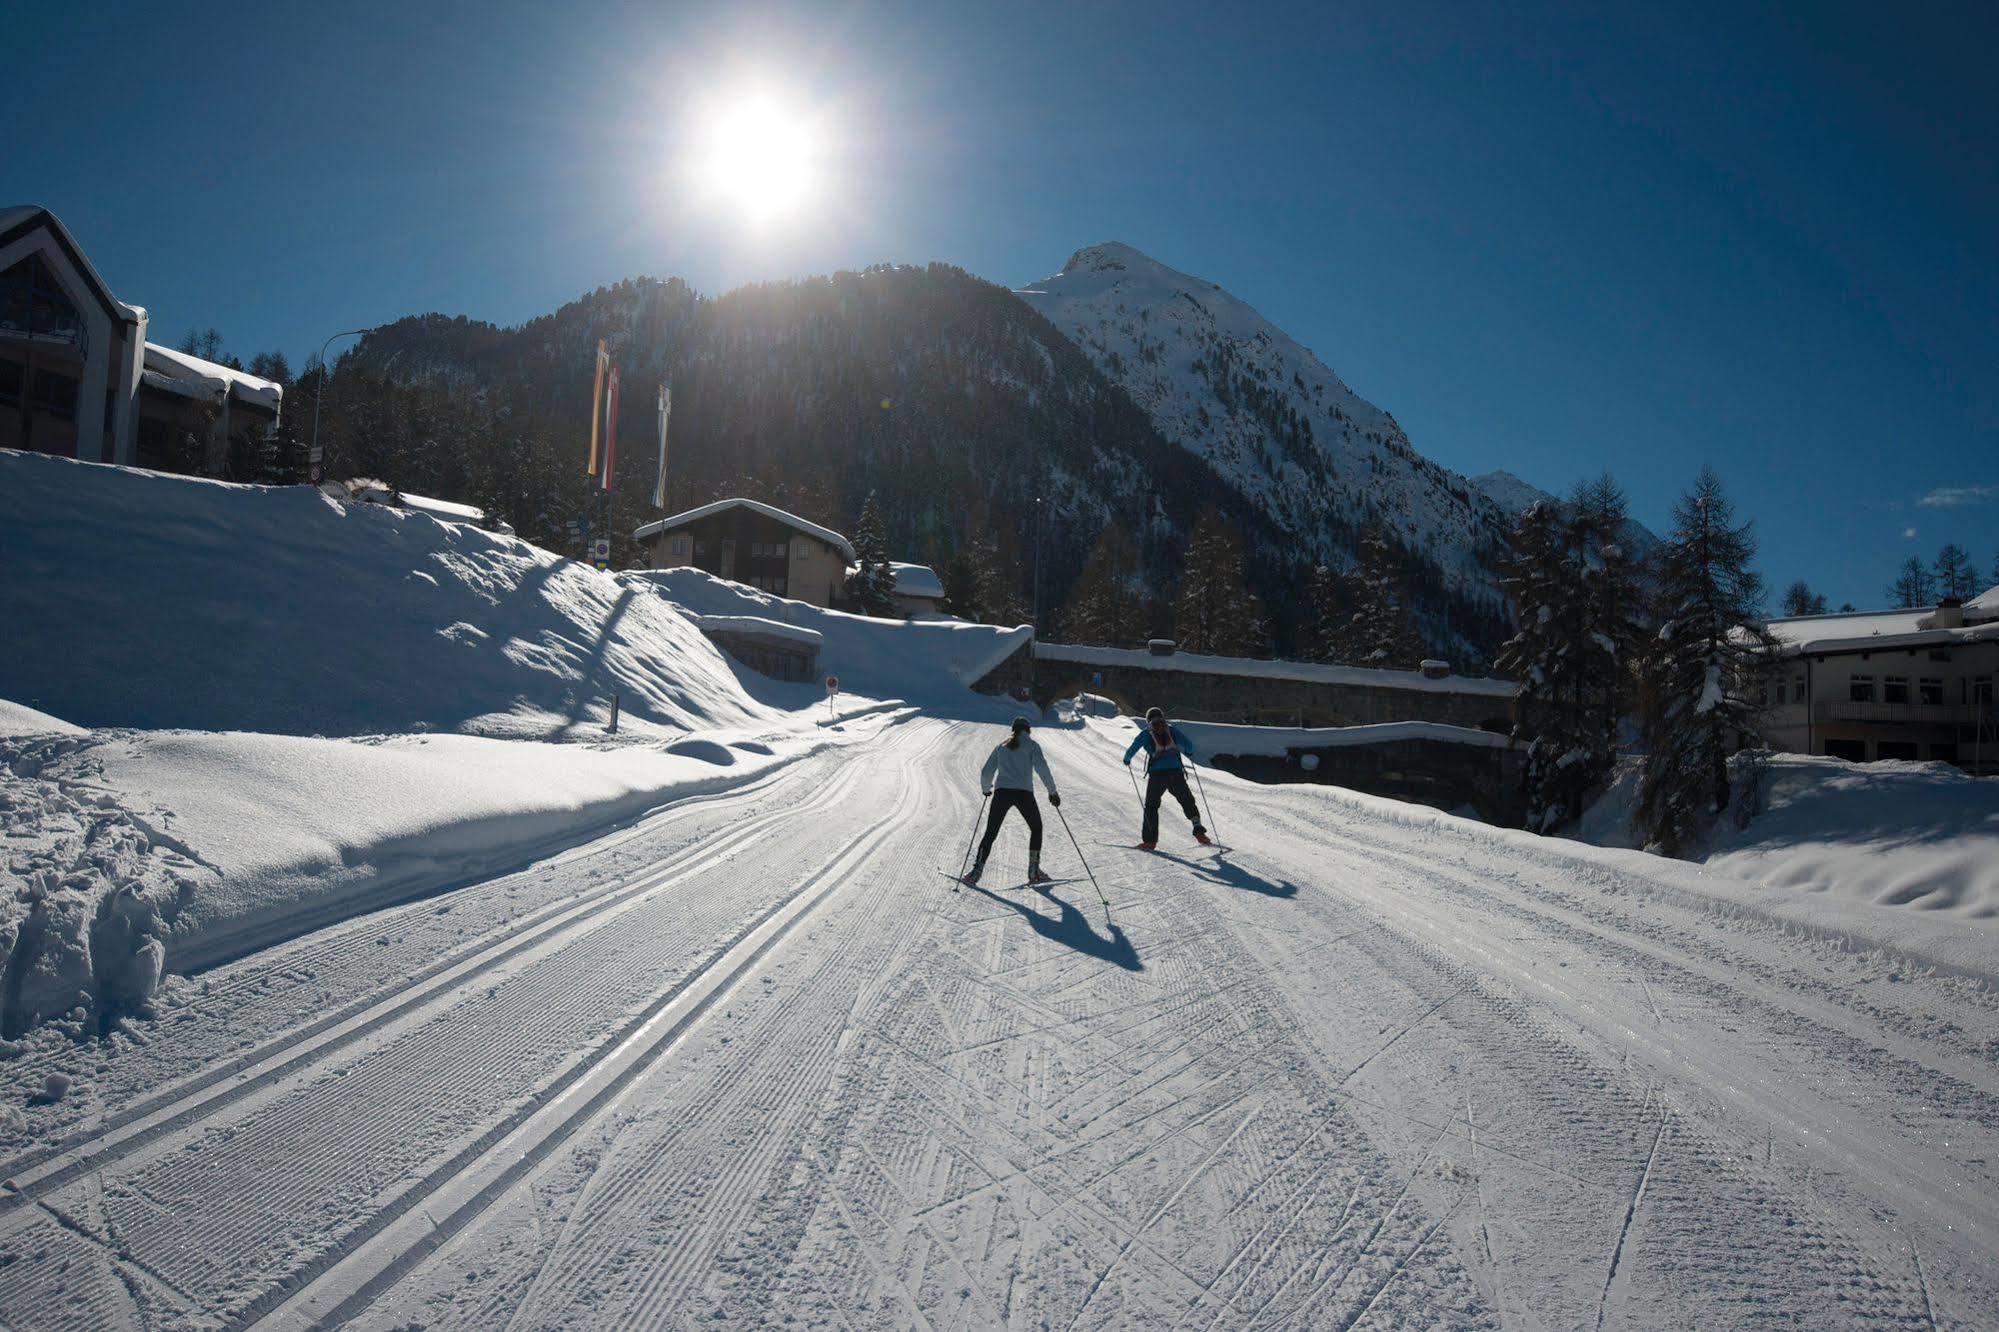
[
  {"x": 313, "y": 456},
  {"x": 1037, "y": 566}
]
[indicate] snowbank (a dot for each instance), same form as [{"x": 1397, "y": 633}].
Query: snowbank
[
  {"x": 16, "y": 720},
  {"x": 930, "y": 663},
  {"x": 1221, "y": 738},
  {"x": 132, "y": 853},
  {"x": 1921, "y": 835},
  {"x": 161, "y": 601}
]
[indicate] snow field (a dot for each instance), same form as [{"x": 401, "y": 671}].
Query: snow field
[{"x": 1367, "y": 1071}]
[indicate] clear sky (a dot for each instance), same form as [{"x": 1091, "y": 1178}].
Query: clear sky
[{"x": 1554, "y": 239}]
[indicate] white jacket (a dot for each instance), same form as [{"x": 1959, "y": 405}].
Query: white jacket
[{"x": 1014, "y": 768}]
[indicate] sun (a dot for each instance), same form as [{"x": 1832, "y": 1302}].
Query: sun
[{"x": 759, "y": 156}]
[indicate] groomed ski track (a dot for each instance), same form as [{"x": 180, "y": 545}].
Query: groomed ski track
[{"x": 752, "y": 1062}]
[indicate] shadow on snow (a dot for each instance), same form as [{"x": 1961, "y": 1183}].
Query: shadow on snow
[{"x": 1072, "y": 929}]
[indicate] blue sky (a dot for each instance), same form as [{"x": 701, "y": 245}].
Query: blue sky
[{"x": 1554, "y": 239}]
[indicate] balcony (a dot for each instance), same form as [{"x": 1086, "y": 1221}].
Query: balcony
[{"x": 1906, "y": 714}]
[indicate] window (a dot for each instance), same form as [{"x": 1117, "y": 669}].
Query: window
[
  {"x": 12, "y": 374},
  {"x": 55, "y": 394},
  {"x": 33, "y": 303},
  {"x": 678, "y": 545},
  {"x": 1798, "y": 689},
  {"x": 1894, "y": 749},
  {"x": 1853, "y": 751},
  {"x": 801, "y": 550},
  {"x": 1860, "y": 689},
  {"x": 1894, "y": 689},
  {"x": 700, "y": 549},
  {"x": 1929, "y": 690},
  {"x": 1981, "y": 689}
]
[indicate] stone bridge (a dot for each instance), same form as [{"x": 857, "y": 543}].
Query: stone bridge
[{"x": 1250, "y": 690}]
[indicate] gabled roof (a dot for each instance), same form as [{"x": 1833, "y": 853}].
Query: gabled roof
[
  {"x": 18, "y": 219},
  {"x": 791, "y": 520}
]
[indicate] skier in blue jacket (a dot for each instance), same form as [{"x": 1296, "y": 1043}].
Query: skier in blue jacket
[
  {"x": 1165, "y": 770},
  {"x": 1008, "y": 778}
]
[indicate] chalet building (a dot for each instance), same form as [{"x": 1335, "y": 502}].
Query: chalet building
[
  {"x": 1905, "y": 684},
  {"x": 754, "y": 543},
  {"x": 78, "y": 378}
]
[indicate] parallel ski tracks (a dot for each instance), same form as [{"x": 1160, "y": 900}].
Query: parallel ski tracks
[{"x": 41, "y": 1172}]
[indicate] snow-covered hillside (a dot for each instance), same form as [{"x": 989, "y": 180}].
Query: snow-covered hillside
[
  {"x": 1228, "y": 385},
  {"x": 1515, "y": 496}
]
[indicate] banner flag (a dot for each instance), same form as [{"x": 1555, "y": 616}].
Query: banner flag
[
  {"x": 610, "y": 426},
  {"x": 665, "y": 412},
  {"x": 596, "y": 403}
]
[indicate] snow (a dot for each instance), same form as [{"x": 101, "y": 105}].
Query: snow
[
  {"x": 182, "y": 366},
  {"x": 924, "y": 662},
  {"x": 756, "y": 624},
  {"x": 792, "y": 520},
  {"x": 16, "y": 720},
  {"x": 1877, "y": 629},
  {"x": 1276, "y": 670},
  {"x": 445, "y": 509},
  {"x": 916, "y": 580},
  {"x": 1277, "y": 741},
  {"x": 281, "y": 610}
]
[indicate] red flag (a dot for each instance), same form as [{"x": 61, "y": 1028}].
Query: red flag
[{"x": 611, "y": 427}]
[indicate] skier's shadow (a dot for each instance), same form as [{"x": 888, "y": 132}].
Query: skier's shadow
[
  {"x": 1072, "y": 929},
  {"x": 1231, "y": 875}
]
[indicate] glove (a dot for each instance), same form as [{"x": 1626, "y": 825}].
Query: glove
[
  {"x": 1055, "y": 800},
  {"x": 985, "y": 791}
]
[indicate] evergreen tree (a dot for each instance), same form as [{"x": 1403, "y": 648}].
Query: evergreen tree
[
  {"x": 1215, "y": 612},
  {"x": 1707, "y": 660},
  {"x": 1954, "y": 574},
  {"x": 872, "y": 585},
  {"x": 1379, "y": 632},
  {"x": 1108, "y": 607},
  {"x": 1799, "y": 599},
  {"x": 998, "y": 599},
  {"x": 1914, "y": 585},
  {"x": 1613, "y": 618},
  {"x": 1330, "y": 606},
  {"x": 961, "y": 585}
]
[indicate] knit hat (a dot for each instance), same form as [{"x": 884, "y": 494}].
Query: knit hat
[
  {"x": 1154, "y": 714},
  {"x": 1020, "y": 724}
]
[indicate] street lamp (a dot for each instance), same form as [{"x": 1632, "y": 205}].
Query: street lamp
[
  {"x": 314, "y": 456},
  {"x": 1037, "y": 566}
]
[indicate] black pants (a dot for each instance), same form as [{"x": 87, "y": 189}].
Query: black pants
[
  {"x": 1157, "y": 784},
  {"x": 1004, "y": 799}
]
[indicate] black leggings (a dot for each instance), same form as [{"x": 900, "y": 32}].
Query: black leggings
[
  {"x": 1004, "y": 799},
  {"x": 1158, "y": 784}
]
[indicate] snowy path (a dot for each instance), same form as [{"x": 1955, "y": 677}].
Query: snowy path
[{"x": 753, "y": 1061}]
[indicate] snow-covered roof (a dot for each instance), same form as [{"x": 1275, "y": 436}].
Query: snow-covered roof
[
  {"x": 825, "y": 534},
  {"x": 245, "y": 386},
  {"x": 1275, "y": 670},
  {"x": 756, "y": 624},
  {"x": 1863, "y": 631},
  {"x": 17, "y": 216},
  {"x": 916, "y": 580},
  {"x": 445, "y": 509}
]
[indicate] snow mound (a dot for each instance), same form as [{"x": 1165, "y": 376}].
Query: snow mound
[
  {"x": 162, "y": 601},
  {"x": 16, "y": 720}
]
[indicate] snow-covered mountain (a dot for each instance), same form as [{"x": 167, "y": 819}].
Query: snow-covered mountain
[
  {"x": 1229, "y": 386},
  {"x": 1515, "y": 496}
]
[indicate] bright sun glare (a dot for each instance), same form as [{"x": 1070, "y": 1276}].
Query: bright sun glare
[{"x": 759, "y": 157}]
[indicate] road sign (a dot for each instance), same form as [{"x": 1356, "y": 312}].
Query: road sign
[
  {"x": 600, "y": 550},
  {"x": 832, "y": 684}
]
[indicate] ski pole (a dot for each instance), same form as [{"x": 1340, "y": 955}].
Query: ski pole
[
  {"x": 1203, "y": 788},
  {"x": 966, "y": 863},
  {"x": 1085, "y": 862},
  {"x": 1136, "y": 794}
]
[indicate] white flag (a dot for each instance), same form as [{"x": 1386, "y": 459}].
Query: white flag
[{"x": 665, "y": 411}]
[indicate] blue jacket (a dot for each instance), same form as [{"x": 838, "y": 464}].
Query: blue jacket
[{"x": 1162, "y": 760}]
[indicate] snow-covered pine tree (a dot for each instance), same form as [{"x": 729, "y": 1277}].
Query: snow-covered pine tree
[
  {"x": 1613, "y": 615},
  {"x": 1914, "y": 585},
  {"x": 1539, "y": 581},
  {"x": 1954, "y": 574},
  {"x": 1799, "y": 599},
  {"x": 1379, "y": 632},
  {"x": 1705, "y": 665},
  {"x": 1215, "y": 612},
  {"x": 997, "y": 598},
  {"x": 961, "y": 585},
  {"x": 1107, "y": 607},
  {"x": 872, "y": 585}
]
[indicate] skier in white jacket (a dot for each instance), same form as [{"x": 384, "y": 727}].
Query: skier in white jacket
[{"x": 1008, "y": 778}]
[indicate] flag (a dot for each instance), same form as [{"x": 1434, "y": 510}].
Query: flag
[
  {"x": 610, "y": 425},
  {"x": 596, "y": 401},
  {"x": 665, "y": 411}
]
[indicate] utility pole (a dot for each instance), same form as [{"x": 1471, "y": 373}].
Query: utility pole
[
  {"x": 1037, "y": 566},
  {"x": 314, "y": 456}
]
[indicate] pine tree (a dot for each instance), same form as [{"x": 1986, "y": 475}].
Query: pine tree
[
  {"x": 1914, "y": 585},
  {"x": 1536, "y": 577},
  {"x": 1329, "y": 604},
  {"x": 872, "y": 585},
  {"x": 1954, "y": 574},
  {"x": 1107, "y": 607},
  {"x": 1799, "y": 599},
  {"x": 998, "y": 599},
  {"x": 1215, "y": 612},
  {"x": 1379, "y": 632},
  {"x": 1709, "y": 655},
  {"x": 1612, "y": 629},
  {"x": 961, "y": 585}
]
